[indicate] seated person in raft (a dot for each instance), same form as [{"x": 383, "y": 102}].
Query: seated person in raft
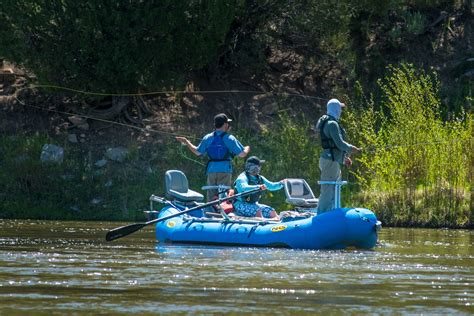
[{"x": 250, "y": 179}]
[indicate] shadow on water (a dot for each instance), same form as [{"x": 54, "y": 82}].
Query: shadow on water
[{"x": 68, "y": 267}]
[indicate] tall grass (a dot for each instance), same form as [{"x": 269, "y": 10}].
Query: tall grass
[
  {"x": 73, "y": 189},
  {"x": 416, "y": 169}
]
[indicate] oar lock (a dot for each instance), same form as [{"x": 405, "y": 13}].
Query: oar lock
[{"x": 158, "y": 199}]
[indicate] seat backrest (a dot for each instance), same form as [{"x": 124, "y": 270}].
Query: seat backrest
[
  {"x": 176, "y": 180},
  {"x": 177, "y": 187},
  {"x": 298, "y": 188},
  {"x": 299, "y": 193}
]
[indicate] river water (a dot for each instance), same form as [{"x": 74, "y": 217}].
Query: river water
[{"x": 50, "y": 267}]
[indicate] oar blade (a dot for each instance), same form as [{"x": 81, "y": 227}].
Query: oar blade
[{"x": 123, "y": 231}]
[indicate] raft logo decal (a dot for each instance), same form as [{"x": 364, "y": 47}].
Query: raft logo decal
[
  {"x": 278, "y": 228},
  {"x": 170, "y": 224}
]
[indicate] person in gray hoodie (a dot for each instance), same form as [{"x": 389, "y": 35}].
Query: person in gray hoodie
[{"x": 335, "y": 152}]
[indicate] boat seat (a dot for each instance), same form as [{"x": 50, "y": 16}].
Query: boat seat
[
  {"x": 299, "y": 193},
  {"x": 177, "y": 186}
]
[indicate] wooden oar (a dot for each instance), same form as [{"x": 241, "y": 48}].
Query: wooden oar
[{"x": 120, "y": 232}]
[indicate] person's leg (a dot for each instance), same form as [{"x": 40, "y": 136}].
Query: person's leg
[
  {"x": 330, "y": 171},
  {"x": 224, "y": 178},
  {"x": 274, "y": 215},
  {"x": 212, "y": 178},
  {"x": 267, "y": 211},
  {"x": 245, "y": 209}
]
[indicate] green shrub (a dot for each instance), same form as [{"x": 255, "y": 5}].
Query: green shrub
[
  {"x": 416, "y": 22},
  {"x": 416, "y": 168}
]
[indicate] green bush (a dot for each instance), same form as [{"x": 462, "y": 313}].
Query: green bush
[
  {"x": 416, "y": 168},
  {"x": 289, "y": 152},
  {"x": 416, "y": 22}
]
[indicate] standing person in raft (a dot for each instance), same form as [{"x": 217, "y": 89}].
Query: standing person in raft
[
  {"x": 220, "y": 147},
  {"x": 335, "y": 152},
  {"x": 251, "y": 179}
]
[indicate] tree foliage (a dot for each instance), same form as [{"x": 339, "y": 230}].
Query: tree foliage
[{"x": 117, "y": 46}]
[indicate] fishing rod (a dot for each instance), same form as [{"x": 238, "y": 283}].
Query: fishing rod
[{"x": 142, "y": 129}]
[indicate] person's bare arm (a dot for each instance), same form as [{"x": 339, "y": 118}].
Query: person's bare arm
[
  {"x": 183, "y": 140},
  {"x": 245, "y": 152}
]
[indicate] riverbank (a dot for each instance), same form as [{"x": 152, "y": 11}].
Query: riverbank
[
  {"x": 59, "y": 161},
  {"x": 90, "y": 183}
]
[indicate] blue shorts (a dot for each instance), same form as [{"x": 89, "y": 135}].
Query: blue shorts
[{"x": 250, "y": 209}]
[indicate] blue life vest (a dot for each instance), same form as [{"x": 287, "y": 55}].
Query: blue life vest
[{"x": 217, "y": 150}]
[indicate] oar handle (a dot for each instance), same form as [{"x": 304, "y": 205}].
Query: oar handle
[{"x": 127, "y": 230}]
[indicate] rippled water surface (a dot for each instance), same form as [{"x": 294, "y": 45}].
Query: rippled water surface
[{"x": 68, "y": 268}]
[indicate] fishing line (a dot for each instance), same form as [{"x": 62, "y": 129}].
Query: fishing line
[
  {"x": 188, "y": 158},
  {"x": 370, "y": 150},
  {"x": 391, "y": 147},
  {"x": 117, "y": 123},
  {"x": 176, "y": 92},
  {"x": 143, "y": 129},
  {"x": 181, "y": 152}
]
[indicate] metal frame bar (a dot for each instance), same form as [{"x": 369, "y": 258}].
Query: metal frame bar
[{"x": 337, "y": 191}]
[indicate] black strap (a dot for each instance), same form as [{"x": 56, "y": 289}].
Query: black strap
[
  {"x": 252, "y": 198},
  {"x": 327, "y": 143}
]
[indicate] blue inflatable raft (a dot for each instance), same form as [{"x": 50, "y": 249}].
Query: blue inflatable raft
[{"x": 336, "y": 229}]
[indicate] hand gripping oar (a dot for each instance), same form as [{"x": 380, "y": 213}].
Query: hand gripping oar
[{"x": 127, "y": 230}]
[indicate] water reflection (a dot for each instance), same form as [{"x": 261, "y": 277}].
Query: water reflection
[{"x": 67, "y": 267}]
